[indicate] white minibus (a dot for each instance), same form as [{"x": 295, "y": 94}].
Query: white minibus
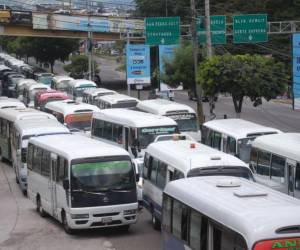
[
  {"x": 22, "y": 132},
  {"x": 30, "y": 91},
  {"x": 130, "y": 129},
  {"x": 7, "y": 118},
  {"x": 228, "y": 213},
  {"x": 6, "y": 102},
  {"x": 76, "y": 116},
  {"x": 76, "y": 88},
  {"x": 61, "y": 83},
  {"x": 184, "y": 115},
  {"x": 170, "y": 160},
  {"x": 90, "y": 95},
  {"x": 21, "y": 85},
  {"x": 233, "y": 136},
  {"x": 81, "y": 182},
  {"x": 275, "y": 161},
  {"x": 116, "y": 101}
]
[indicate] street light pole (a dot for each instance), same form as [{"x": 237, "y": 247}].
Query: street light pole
[
  {"x": 207, "y": 28},
  {"x": 197, "y": 87}
]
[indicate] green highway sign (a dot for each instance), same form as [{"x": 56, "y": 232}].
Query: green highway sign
[
  {"x": 217, "y": 29},
  {"x": 162, "y": 30},
  {"x": 250, "y": 28}
]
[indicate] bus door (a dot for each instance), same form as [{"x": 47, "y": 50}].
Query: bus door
[
  {"x": 53, "y": 179},
  {"x": 291, "y": 168}
]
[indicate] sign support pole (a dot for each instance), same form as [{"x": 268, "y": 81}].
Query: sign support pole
[
  {"x": 127, "y": 42},
  {"x": 197, "y": 87}
]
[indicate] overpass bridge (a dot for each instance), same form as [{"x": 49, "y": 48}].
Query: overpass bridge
[{"x": 39, "y": 24}]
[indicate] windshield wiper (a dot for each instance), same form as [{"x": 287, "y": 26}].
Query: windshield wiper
[
  {"x": 122, "y": 189},
  {"x": 88, "y": 192}
]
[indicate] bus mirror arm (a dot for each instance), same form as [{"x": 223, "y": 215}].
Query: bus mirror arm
[{"x": 66, "y": 184}]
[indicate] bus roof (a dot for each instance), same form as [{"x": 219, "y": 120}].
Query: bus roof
[
  {"x": 250, "y": 209},
  {"x": 163, "y": 107},
  {"x": 38, "y": 86},
  {"x": 97, "y": 91},
  {"x": 62, "y": 78},
  {"x": 67, "y": 107},
  {"x": 76, "y": 146},
  {"x": 11, "y": 103},
  {"x": 239, "y": 128},
  {"x": 40, "y": 127},
  {"x": 117, "y": 98},
  {"x": 13, "y": 114},
  {"x": 79, "y": 82},
  {"x": 189, "y": 154},
  {"x": 133, "y": 118},
  {"x": 285, "y": 144}
]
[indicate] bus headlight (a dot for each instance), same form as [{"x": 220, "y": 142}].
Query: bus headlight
[
  {"x": 79, "y": 216},
  {"x": 128, "y": 212}
]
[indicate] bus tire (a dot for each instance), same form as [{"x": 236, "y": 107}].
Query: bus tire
[
  {"x": 155, "y": 222},
  {"x": 39, "y": 207},
  {"x": 67, "y": 229}
]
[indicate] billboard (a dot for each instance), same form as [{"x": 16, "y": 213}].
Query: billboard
[
  {"x": 138, "y": 64},
  {"x": 166, "y": 53},
  {"x": 86, "y": 23},
  {"x": 296, "y": 70}
]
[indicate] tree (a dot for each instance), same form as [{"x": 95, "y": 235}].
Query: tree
[
  {"x": 252, "y": 76},
  {"x": 181, "y": 68},
  {"x": 79, "y": 66},
  {"x": 49, "y": 50}
]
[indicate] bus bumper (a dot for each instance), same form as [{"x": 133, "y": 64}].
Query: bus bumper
[{"x": 98, "y": 217}]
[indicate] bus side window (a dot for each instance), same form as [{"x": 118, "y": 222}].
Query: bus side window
[
  {"x": 224, "y": 238},
  {"x": 45, "y": 163},
  {"x": 263, "y": 163},
  {"x": 180, "y": 220},
  {"x": 146, "y": 166},
  {"x": 217, "y": 140},
  {"x": 167, "y": 212},
  {"x": 30, "y": 158},
  {"x": 231, "y": 146},
  {"x": 153, "y": 170},
  {"x": 161, "y": 175},
  {"x": 297, "y": 177},
  {"x": 177, "y": 175},
  {"x": 253, "y": 160},
  {"x": 204, "y": 134},
  {"x": 37, "y": 155},
  {"x": 278, "y": 168},
  {"x": 107, "y": 131},
  {"x": 62, "y": 169}
]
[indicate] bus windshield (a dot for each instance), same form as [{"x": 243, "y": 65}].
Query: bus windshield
[
  {"x": 129, "y": 104},
  {"x": 185, "y": 121},
  {"x": 46, "y": 80},
  {"x": 103, "y": 176},
  {"x": 244, "y": 148},
  {"x": 80, "y": 121},
  {"x": 79, "y": 90},
  {"x": 148, "y": 135},
  {"x": 222, "y": 170}
]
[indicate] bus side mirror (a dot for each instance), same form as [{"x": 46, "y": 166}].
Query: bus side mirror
[{"x": 66, "y": 184}]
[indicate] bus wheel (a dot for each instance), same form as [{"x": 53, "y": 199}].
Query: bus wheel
[
  {"x": 39, "y": 207},
  {"x": 155, "y": 222},
  {"x": 67, "y": 229}
]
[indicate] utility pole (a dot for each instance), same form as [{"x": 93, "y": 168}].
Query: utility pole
[
  {"x": 209, "y": 53},
  {"x": 207, "y": 28},
  {"x": 198, "y": 88},
  {"x": 127, "y": 43}
]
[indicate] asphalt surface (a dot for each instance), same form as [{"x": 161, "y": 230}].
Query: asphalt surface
[
  {"x": 21, "y": 227},
  {"x": 273, "y": 113}
]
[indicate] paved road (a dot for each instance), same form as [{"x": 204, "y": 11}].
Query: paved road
[
  {"x": 273, "y": 114},
  {"x": 22, "y": 228}
]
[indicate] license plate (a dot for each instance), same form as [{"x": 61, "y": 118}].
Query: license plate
[{"x": 107, "y": 219}]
